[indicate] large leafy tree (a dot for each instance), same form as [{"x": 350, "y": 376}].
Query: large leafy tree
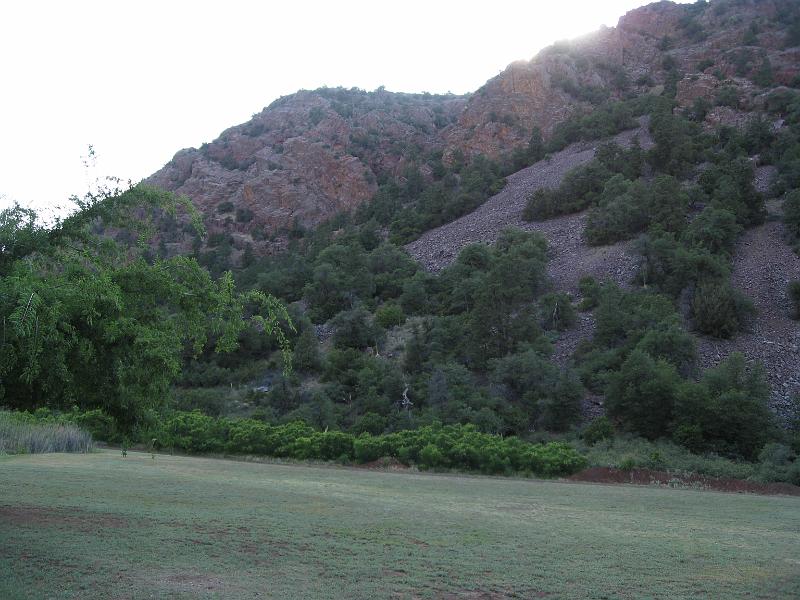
[{"x": 87, "y": 321}]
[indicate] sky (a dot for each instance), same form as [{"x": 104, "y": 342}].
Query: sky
[{"x": 141, "y": 80}]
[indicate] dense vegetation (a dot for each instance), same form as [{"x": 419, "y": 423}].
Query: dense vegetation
[
  {"x": 90, "y": 323},
  {"x": 382, "y": 347},
  {"x": 407, "y": 348}
]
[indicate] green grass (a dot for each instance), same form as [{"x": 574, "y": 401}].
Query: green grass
[{"x": 100, "y": 526}]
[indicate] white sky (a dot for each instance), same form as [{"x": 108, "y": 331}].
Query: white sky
[{"x": 141, "y": 80}]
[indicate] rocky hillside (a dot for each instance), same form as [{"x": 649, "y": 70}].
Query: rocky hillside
[
  {"x": 692, "y": 46},
  {"x": 313, "y": 154},
  {"x": 307, "y": 157}
]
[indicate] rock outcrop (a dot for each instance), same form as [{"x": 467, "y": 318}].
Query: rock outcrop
[
  {"x": 314, "y": 154},
  {"x": 307, "y": 157},
  {"x": 648, "y": 48}
]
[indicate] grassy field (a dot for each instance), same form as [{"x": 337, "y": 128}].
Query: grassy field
[{"x": 100, "y": 526}]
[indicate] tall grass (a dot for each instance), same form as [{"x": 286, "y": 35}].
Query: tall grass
[
  {"x": 631, "y": 452},
  {"x": 20, "y": 436}
]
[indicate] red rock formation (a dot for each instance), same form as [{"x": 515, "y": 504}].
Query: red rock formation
[
  {"x": 307, "y": 157},
  {"x": 313, "y": 154}
]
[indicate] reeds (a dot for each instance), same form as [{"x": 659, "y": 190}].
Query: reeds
[{"x": 20, "y": 437}]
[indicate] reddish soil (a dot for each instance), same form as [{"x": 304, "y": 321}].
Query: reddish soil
[
  {"x": 384, "y": 464},
  {"x": 683, "y": 480},
  {"x": 72, "y": 518},
  {"x": 493, "y": 595}
]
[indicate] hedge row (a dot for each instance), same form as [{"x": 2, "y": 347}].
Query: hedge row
[
  {"x": 459, "y": 447},
  {"x": 433, "y": 447}
]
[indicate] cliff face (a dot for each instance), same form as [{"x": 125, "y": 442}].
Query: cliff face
[
  {"x": 742, "y": 40},
  {"x": 307, "y": 157},
  {"x": 313, "y": 154}
]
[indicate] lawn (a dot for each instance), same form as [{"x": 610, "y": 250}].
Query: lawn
[{"x": 104, "y": 526}]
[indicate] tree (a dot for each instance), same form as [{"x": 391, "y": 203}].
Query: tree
[
  {"x": 438, "y": 391},
  {"x": 727, "y": 410},
  {"x": 642, "y": 393},
  {"x": 355, "y": 329},
  {"x": 556, "y": 311},
  {"x": 719, "y": 310},
  {"x": 306, "y": 356},
  {"x": 88, "y": 322}
]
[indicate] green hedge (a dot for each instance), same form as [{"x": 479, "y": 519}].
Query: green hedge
[{"x": 459, "y": 447}]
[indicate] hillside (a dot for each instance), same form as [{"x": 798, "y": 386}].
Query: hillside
[
  {"x": 313, "y": 154},
  {"x": 599, "y": 246},
  {"x": 641, "y": 55},
  {"x": 307, "y": 157},
  {"x": 696, "y": 98}
]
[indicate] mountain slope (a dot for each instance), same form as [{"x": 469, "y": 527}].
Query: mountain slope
[
  {"x": 642, "y": 55},
  {"x": 307, "y": 157},
  {"x": 314, "y": 154}
]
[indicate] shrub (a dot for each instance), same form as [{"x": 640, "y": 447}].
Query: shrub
[
  {"x": 791, "y": 215},
  {"x": 354, "y": 329},
  {"x": 556, "y": 311},
  {"x": 764, "y": 74},
  {"x": 589, "y": 289},
  {"x": 642, "y": 394},
  {"x": 639, "y": 453},
  {"x": 371, "y": 423},
  {"x": 100, "y": 425},
  {"x": 542, "y": 204},
  {"x": 389, "y": 315},
  {"x": 726, "y": 412},
  {"x": 368, "y": 448},
  {"x": 599, "y": 429},
  {"x": 778, "y": 462},
  {"x": 225, "y": 207},
  {"x": 453, "y": 446},
  {"x": 699, "y": 109},
  {"x": 713, "y": 230},
  {"x": 244, "y": 215},
  {"x": 718, "y": 310},
  {"x": 562, "y": 407},
  {"x": 430, "y": 457},
  {"x": 306, "y": 356},
  {"x": 622, "y": 212},
  {"x": 194, "y": 432},
  {"x": 730, "y": 187},
  {"x": 727, "y": 95},
  {"x": 579, "y": 189}
]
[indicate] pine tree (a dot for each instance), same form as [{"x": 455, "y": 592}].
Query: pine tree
[{"x": 306, "y": 357}]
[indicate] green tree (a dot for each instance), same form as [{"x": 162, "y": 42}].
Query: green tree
[
  {"x": 306, "y": 355},
  {"x": 89, "y": 322},
  {"x": 641, "y": 395}
]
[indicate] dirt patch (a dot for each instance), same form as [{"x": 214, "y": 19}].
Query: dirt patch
[
  {"x": 62, "y": 518},
  {"x": 682, "y": 480},
  {"x": 493, "y": 595},
  {"x": 384, "y": 464},
  {"x": 188, "y": 583}
]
